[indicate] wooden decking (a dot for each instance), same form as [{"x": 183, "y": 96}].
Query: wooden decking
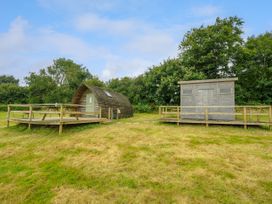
[
  {"x": 56, "y": 121},
  {"x": 53, "y": 114},
  {"x": 214, "y": 122},
  {"x": 242, "y": 115}
]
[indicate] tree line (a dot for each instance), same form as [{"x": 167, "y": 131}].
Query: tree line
[{"x": 214, "y": 51}]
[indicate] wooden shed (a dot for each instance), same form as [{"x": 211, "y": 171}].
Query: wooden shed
[
  {"x": 93, "y": 98},
  {"x": 217, "y": 94}
]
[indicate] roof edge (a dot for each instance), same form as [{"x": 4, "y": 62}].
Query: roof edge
[{"x": 208, "y": 81}]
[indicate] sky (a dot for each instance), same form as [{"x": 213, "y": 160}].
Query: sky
[{"x": 112, "y": 38}]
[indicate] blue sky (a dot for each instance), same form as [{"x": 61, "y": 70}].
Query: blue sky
[{"x": 112, "y": 38}]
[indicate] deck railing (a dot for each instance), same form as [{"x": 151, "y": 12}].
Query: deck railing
[
  {"x": 29, "y": 113},
  {"x": 233, "y": 115}
]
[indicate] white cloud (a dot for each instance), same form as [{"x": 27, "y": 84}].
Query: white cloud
[
  {"x": 155, "y": 44},
  {"x": 123, "y": 67},
  {"x": 78, "y": 6},
  {"x": 15, "y": 37},
  {"x": 92, "y": 22},
  {"x": 24, "y": 49},
  {"x": 205, "y": 11}
]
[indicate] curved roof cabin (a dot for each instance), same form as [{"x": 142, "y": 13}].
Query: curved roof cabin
[{"x": 93, "y": 97}]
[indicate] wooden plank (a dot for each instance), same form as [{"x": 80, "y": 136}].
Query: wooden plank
[
  {"x": 241, "y": 123},
  {"x": 15, "y": 111},
  {"x": 81, "y": 113},
  {"x": 46, "y": 112}
]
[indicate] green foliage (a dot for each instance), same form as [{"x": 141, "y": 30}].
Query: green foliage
[
  {"x": 65, "y": 72},
  {"x": 143, "y": 108},
  {"x": 95, "y": 81},
  {"x": 12, "y": 93},
  {"x": 213, "y": 49},
  {"x": 126, "y": 86},
  {"x": 56, "y": 83},
  {"x": 255, "y": 70},
  {"x": 41, "y": 87},
  {"x": 5, "y": 79}
]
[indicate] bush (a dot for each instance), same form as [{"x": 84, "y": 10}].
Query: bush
[
  {"x": 144, "y": 108},
  {"x": 3, "y": 107}
]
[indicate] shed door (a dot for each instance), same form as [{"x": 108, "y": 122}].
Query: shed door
[
  {"x": 90, "y": 103},
  {"x": 205, "y": 98}
]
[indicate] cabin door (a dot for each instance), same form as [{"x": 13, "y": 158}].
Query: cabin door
[{"x": 90, "y": 104}]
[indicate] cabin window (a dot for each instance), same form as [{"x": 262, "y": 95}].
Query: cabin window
[
  {"x": 187, "y": 91},
  {"x": 225, "y": 90},
  {"x": 108, "y": 93}
]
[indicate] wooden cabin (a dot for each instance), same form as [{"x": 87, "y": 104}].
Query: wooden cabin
[{"x": 93, "y": 98}]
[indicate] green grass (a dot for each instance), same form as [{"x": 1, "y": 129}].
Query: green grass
[{"x": 135, "y": 160}]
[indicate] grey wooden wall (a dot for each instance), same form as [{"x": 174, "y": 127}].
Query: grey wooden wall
[{"x": 220, "y": 93}]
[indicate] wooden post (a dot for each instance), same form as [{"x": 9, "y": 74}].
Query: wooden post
[
  {"x": 112, "y": 113},
  {"x": 30, "y": 116},
  {"x": 245, "y": 117},
  {"x": 61, "y": 119},
  {"x": 180, "y": 113},
  {"x": 206, "y": 117},
  {"x": 8, "y": 116},
  {"x": 117, "y": 113},
  {"x": 160, "y": 111},
  {"x": 178, "y": 116},
  {"x": 109, "y": 111},
  {"x": 100, "y": 112},
  {"x": 270, "y": 117}
]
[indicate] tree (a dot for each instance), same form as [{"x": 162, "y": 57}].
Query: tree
[
  {"x": 41, "y": 87},
  {"x": 95, "y": 81},
  {"x": 212, "y": 50},
  {"x": 66, "y": 72},
  {"x": 255, "y": 70},
  {"x": 6, "y": 79},
  {"x": 123, "y": 85},
  {"x": 12, "y": 93},
  {"x": 56, "y": 83}
]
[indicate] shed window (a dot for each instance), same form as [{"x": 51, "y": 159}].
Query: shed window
[
  {"x": 225, "y": 90},
  {"x": 108, "y": 93},
  {"x": 187, "y": 91}
]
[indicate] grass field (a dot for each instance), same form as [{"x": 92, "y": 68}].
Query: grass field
[{"x": 136, "y": 160}]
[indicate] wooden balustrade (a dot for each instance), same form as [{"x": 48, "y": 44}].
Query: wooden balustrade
[
  {"x": 56, "y": 114},
  {"x": 242, "y": 115}
]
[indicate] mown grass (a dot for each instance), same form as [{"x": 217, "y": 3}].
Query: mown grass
[{"x": 136, "y": 160}]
